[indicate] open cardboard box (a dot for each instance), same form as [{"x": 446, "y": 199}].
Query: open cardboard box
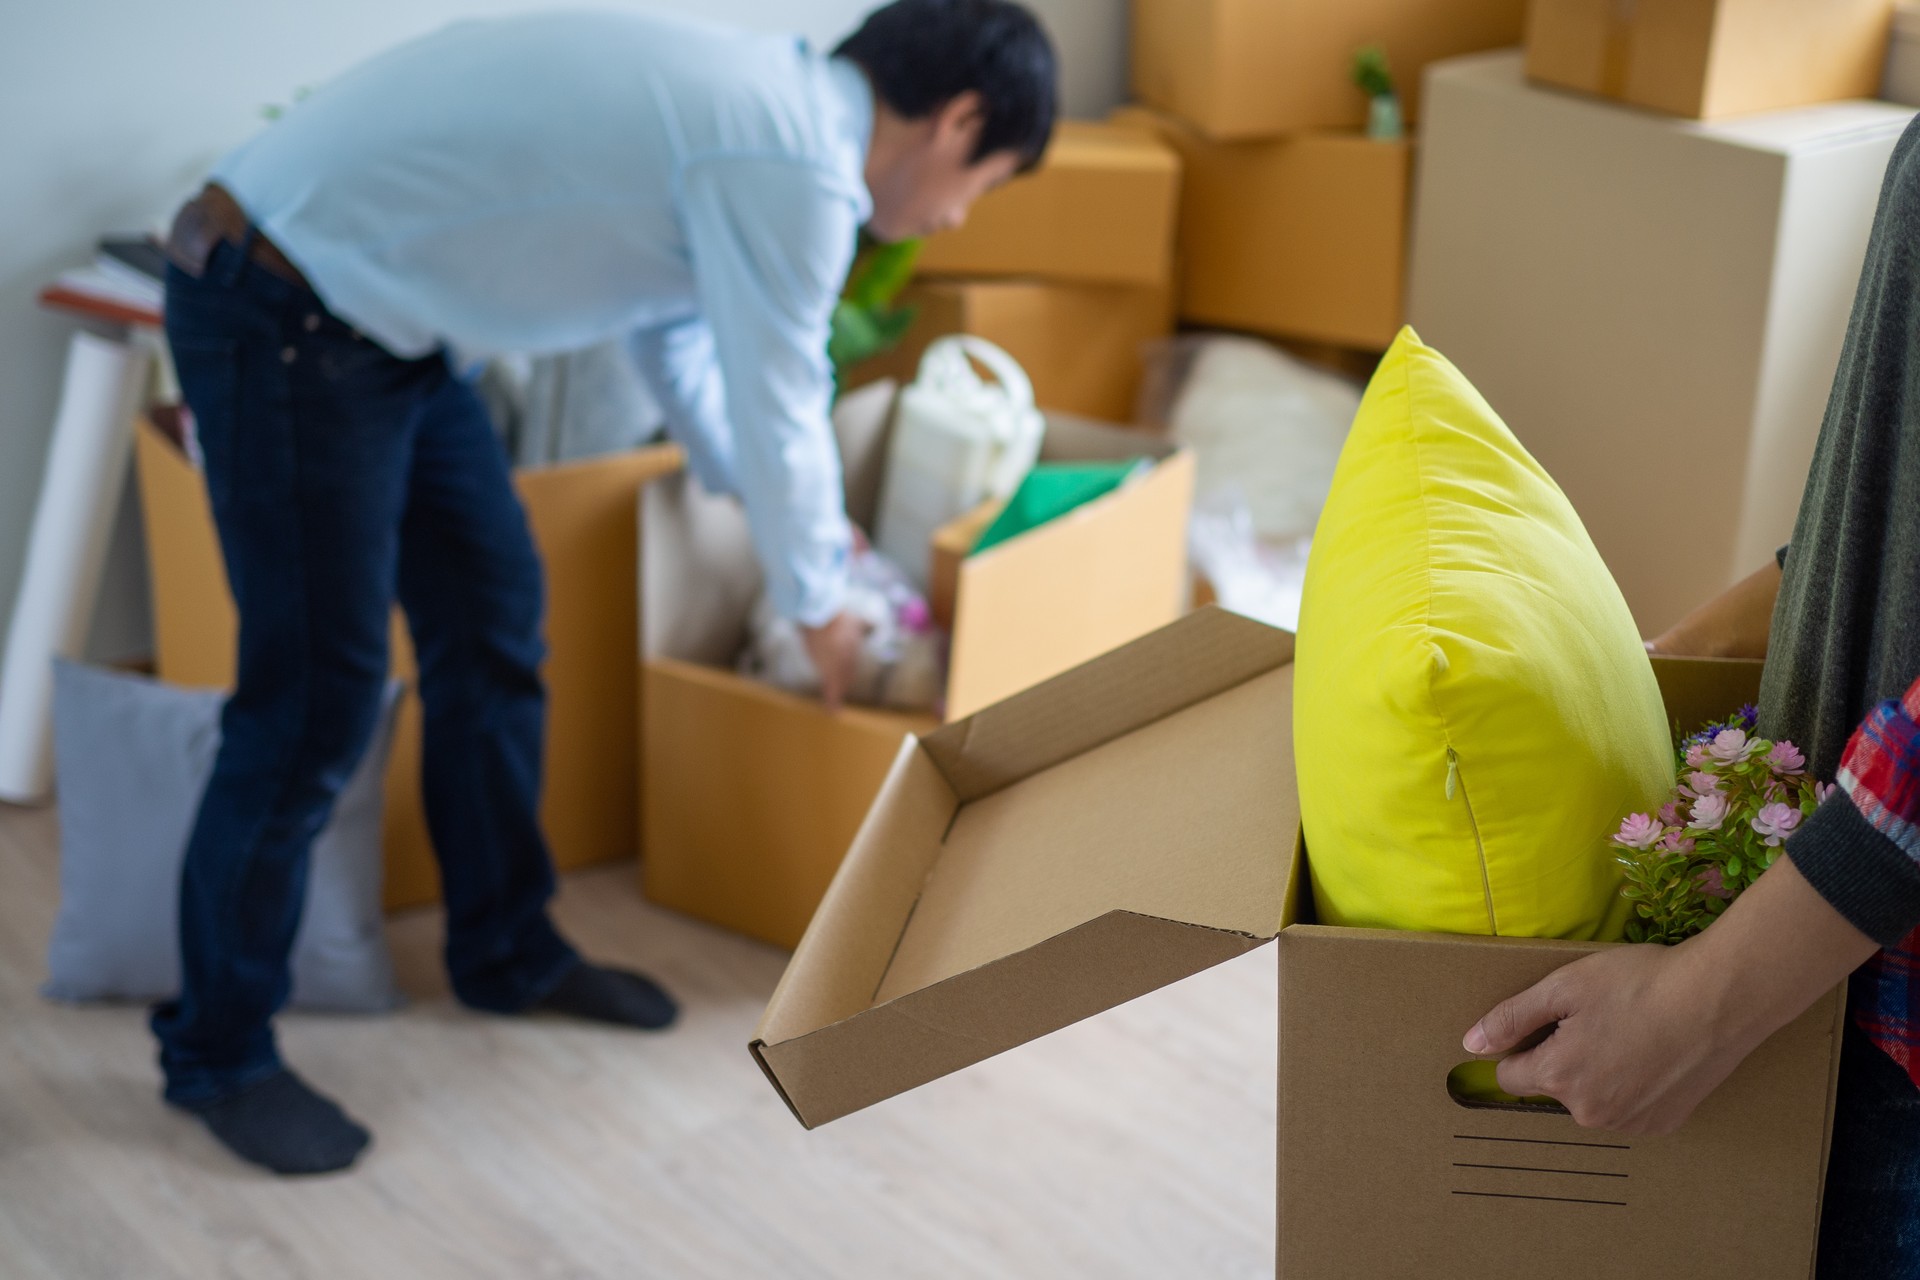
[
  {"x": 749, "y": 795},
  {"x": 582, "y": 518},
  {"x": 1134, "y": 821}
]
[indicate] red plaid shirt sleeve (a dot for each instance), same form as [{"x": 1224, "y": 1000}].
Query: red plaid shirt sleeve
[{"x": 1879, "y": 778}]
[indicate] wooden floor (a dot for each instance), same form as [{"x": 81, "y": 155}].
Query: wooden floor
[{"x": 1139, "y": 1143}]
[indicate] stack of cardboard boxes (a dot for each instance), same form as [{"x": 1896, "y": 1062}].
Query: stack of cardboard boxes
[
  {"x": 1293, "y": 221},
  {"x": 1070, "y": 269},
  {"x": 1656, "y": 302}
]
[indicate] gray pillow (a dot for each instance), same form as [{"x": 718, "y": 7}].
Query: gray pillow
[{"x": 131, "y": 757}]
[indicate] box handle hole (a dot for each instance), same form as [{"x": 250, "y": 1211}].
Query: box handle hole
[{"x": 1475, "y": 1085}]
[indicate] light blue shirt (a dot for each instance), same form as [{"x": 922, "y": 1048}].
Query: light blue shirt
[{"x": 542, "y": 183}]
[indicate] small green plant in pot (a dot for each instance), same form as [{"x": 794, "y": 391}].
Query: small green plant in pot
[{"x": 1384, "y": 122}]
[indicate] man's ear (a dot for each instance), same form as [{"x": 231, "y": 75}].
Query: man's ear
[{"x": 960, "y": 120}]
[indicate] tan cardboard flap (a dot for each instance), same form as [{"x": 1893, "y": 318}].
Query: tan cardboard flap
[
  {"x": 1091, "y": 839},
  {"x": 953, "y": 542},
  {"x": 971, "y": 1017},
  {"x": 1189, "y": 818},
  {"x": 1077, "y": 586},
  {"x": 1370, "y": 1026}
]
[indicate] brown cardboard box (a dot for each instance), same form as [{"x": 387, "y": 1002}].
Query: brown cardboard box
[
  {"x": 583, "y": 521},
  {"x": 1299, "y": 237},
  {"x": 1099, "y": 210},
  {"x": 1711, "y": 58},
  {"x": 749, "y": 796},
  {"x": 1261, "y": 68},
  {"x": 1081, "y": 344},
  {"x": 1132, "y": 822}
]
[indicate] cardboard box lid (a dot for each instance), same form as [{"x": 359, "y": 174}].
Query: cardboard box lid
[{"x": 1117, "y": 828}]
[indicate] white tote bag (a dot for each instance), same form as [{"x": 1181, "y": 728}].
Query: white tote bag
[{"x": 958, "y": 440}]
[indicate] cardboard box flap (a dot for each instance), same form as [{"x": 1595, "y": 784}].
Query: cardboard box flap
[
  {"x": 862, "y": 425},
  {"x": 1198, "y": 657},
  {"x": 1076, "y": 586},
  {"x": 1094, "y": 838},
  {"x": 848, "y": 1066},
  {"x": 699, "y": 577}
]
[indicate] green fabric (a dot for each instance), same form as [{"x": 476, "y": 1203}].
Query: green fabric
[{"x": 1051, "y": 490}]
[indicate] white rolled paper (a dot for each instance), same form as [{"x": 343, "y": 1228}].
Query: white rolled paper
[{"x": 79, "y": 496}]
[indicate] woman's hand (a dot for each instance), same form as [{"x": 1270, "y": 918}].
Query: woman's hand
[
  {"x": 1734, "y": 624},
  {"x": 1641, "y": 1035},
  {"x": 1635, "y": 1044}
]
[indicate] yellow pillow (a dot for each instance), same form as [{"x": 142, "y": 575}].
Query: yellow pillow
[{"x": 1473, "y": 710}]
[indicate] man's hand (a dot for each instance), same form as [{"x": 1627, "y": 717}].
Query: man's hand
[
  {"x": 1734, "y": 624},
  {"x": 835, "y": 650},
  {"x": 1641, "y": 1035}
]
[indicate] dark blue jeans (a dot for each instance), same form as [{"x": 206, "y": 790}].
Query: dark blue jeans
[
  {"x": 343, "y": 478},
  {"x": 1870, "y": 1224}
]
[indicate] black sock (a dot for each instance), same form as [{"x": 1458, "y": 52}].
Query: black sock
[
  {"x": 281, "y": 1124},
  {"x": 610, "y": 995}
]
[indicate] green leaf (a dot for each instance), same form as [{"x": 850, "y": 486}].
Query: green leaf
[
  {"x": 880, "y": 272},
  {"x": 1370, "y": 71}
]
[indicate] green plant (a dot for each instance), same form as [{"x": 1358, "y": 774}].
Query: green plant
[
  {"x": 866, "y": 321},
  {"x": 1737, "y": 800},
  {"x": 1371, "y": 74}
]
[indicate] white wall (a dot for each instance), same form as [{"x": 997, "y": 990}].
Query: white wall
[{"x": 112, "y": 110}]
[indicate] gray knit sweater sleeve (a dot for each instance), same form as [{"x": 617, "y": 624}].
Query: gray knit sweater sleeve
[{"x": 1846, "y": 629}]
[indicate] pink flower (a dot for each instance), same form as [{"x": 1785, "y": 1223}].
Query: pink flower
[
  {"x": 1730, "y": 746},
  {"x": 1670, "y": 813},
  {"x": 1674, "y": 842},
  {"x": 1638, "y": 832},
  {"x": 1821, "y": 790},
  {"x": 915, "y": 616},
  {"x": 1697, "y": 756},
  {"x": 1786, "y": 759},
  {"x": 1709, "y": 811},
  {"x": 1703, "y": 783},
  {"x": 1713, "y": 885},
  {"x": 1776, "y": 822}
]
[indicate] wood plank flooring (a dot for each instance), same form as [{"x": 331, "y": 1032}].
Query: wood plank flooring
[{"x": 1137, "y": 1144}]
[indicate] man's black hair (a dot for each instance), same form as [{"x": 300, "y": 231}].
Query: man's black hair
[{"x": 922, "y": 54}]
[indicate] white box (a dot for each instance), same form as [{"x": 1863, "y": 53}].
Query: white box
[{"x": 1655, "y": 306}]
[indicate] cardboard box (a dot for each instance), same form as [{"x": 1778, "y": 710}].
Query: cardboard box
[
  {"x": 1299, "y": 237},
  {"x": 1262, "y": 68},
  {"x": 1132, "y": 822},
  {"x": 1081, "y": 344},
  {"x": 1707, "y": 59},
  {"x": 1098, "y": 210},
  {"x": 1655, "y": 306},
  {"x": 583, "y": 521},
  {"x": 750, "y": 796}
]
